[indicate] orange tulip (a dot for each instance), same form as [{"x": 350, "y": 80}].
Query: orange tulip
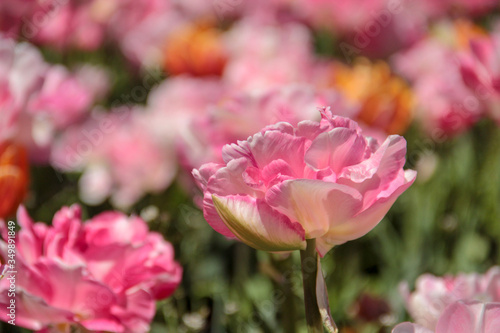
[
  {"x": 386, "y": 101},
  {"x": 197, "y": 50},
  {"x": 13, "y": 177}
]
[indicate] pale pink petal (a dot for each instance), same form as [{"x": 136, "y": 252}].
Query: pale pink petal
[
  {"x": 203, "y": 174},
  {"x": 336, "y": 149},
  {"x": 277, "y": 170},
  {"x": 491, "y": 283},
  {"x": 459, "y": 317},
  {"x": 226, "y": 181},
  {"x": 410, "y": 328},
  {"x": 236, "y": 151},
  {"x": 274, "y": 145},
  {"x": 330, "y": 121},
  {"x": 365, "y": 221},
  {"x": 317, "y": 205},
  {"x": 491, "y": 319},
  {"x": 386, "y": 162},
  {"x": 258, "y": 225}
]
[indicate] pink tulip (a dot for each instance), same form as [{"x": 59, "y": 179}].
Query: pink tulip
[
  {"x": 433, "y": 294},
  {"x": 111, "y": 151},
  {"x": 321, "y": 180},
  {"x": 445, "y": 105},
  {"x": 256, "y": 64},
  {"x": 67, "y": 25},
  {"x": 172, "y": 106},
  {"x": 480, "y": 66},
  {"x": 103, "y": 275},
  {"x": 461, "y": 317},
  {"x": 480, "y": 69},
  {"x": 240, "y": 115},
  {"x": 65, "y": 98},
  {"x": 38, "y": 104},
  {"x": 343, "y": 16}
]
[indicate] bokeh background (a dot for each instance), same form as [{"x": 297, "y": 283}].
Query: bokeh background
[{"x": 110, "y": 104}]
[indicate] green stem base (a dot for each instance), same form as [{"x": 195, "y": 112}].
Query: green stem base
[{"x": 309, "y": 263}]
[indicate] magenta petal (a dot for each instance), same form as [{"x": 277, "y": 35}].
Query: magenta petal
[
  {"x": 484, "y": 50},
  {"x": 103, "y": 324},
  {"x": 32, "y": 312},
  {"x": 138, "y": 312},
  {"x": 469, "y": 74},
  {"x": 80, "y": 287}
]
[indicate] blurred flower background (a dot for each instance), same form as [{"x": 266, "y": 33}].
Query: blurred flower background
[{"x": 110, "y": 104}]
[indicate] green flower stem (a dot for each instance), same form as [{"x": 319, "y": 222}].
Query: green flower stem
[
  {"x": 285, "y": 284},
  {"x": 309, "y": 263}
]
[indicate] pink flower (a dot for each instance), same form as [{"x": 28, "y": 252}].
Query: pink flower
[
  {"x": 433, "y": 294},
  {"x": 103, "y": 275},
  {"x": 200, "y": 125},
  {"x": 64, "y": 98},
  {"x": 461, "y": 317},
  {"x": 65, "y": 25},
  {"x": 16, "y": 82},
  {"x": 240, "y": 115},
  {"x": 172, "y": 106},
  {"x": 480, "y": 66},
  {"x": 38, "y": 103},
  {"x": 111, "y": 150},
  {"x": 480, "y": 69},
  {"x": 265, "y": 55},
  {"x": 445, "y": 105},
  {"x": 345, "y": 15},
  {"x": 321, "y": 180}
]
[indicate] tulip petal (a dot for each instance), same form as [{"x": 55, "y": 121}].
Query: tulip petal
[
  {"x": 459, "y": 317},
  {"x": 336, "y": 149},
  {"x": 410, "y": 328},
  {"x": 258, "y": 225},
  {"x": 226, "y": 181},
  {"x": 32, "y": 312},
  {"x": 385, "y": 162},
  {"x": 315, "y": 204},
  {"x": 77, "y": 297},
  {"x": 365, "y": 221},
  {"x": 203, "y": 174},
  {"x": 492, "y": 318},
  {"x": 272, "y": 145},
  {"x": 137, "y": 313}
]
